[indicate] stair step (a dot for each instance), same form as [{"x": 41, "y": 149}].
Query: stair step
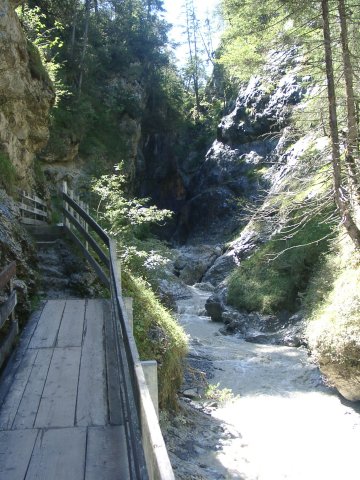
[
  {"x": 54, "y": 283},
  {"x": 51, "y": 271},
  {"x": 44, "y": 245},
  {"x": 45, "y": 233}
]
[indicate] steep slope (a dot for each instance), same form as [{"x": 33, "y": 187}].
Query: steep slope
[
  {"x": 247, "y": 143},
  {"x": 26, "y": 96}
]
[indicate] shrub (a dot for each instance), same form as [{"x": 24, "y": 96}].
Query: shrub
[
  {"x": 158, "y": 337},
  {"x": 273, "y": 277},
  {"x": 7, "y": 173},
  {"x": 332, "y": 307}
]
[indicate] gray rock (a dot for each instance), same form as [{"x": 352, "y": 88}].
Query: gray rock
[
  {"x": 205, "y": 286},
  {"x": 193, "y": 262},
  {"x": 214, "y": 308}
]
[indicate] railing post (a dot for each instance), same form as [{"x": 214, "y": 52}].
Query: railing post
[
  {"x": 129, "y": 304},
  {"x": 12, "y": 316},
  {"x": 65, "y": 190},
  {"x": 151, "y": 377},
  {"x": 86, "y": 226}
]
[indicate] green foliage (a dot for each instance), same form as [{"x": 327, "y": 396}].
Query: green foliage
[
  {"x": 129, "y": 220},
  {"x": 125, "y": 216},
  {"x": 7, "y": 173},
  {"x": 332, "y": 304},
  {"x": 36, "y": 66},
  {"x": 43, "y": 45},
  {"x": 252, "y": 29},
  {"x": 158, "y": 337},
  {"x": 222, "y": 395},
  {"x": 274, "y": 277}
]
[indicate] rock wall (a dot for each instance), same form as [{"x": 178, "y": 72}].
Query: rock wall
[
  {"x": 246, "y": 144},
  {"x": 26, "y": 95}
]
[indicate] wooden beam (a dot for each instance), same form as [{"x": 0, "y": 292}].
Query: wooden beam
[
  {"x": 7, "y": 308},
  {"x": 103, "y": 257},
  {"x": 34, "y": 198},
  {"x": 33, "y": 210},
  {"x": 7, "y": 344},
  {"x": 98, "y": 270},
  {"x": 91, "y": 222},
  {"x": 7, "y": 274}
]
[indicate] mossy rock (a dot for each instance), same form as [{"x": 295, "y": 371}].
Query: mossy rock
[{"x": 36, "y": 66}]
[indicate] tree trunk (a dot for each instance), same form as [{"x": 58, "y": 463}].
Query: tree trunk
[
  {"x": 339, "y": 192},
  {"x": 73, "y": 33},
  {"x": 85, "y": 45},
  {"x": 352, "y": 147},
  {"x": 193, "y": 51}
]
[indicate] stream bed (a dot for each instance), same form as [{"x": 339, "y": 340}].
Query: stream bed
[{"x": 282, "y": 421}]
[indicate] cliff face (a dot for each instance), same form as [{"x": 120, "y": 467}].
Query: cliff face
[{"x": 26, "y": 95}]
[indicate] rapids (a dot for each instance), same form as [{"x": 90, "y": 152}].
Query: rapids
[{"x": 284, "y": 422}]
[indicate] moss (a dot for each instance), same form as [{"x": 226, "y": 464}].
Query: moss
[
  {"x": 274, "y": 277},
  {"x": 158, "y": 337},
  {"x": 36, "y": 66},
  {"x": 7, "y": 173},
  {"x": 332, "y": 307}
]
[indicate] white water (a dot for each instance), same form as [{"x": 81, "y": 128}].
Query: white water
[{"x": 285, "y": 423}]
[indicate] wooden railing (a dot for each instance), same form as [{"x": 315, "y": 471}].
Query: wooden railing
[
  {"x": 33, "y": 209},
  {"x": 8, "y": 331},
  {"x": 147, "y": 452}
]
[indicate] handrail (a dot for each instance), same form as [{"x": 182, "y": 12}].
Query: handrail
[
  {"x": 7, "y": 311},
  {"x": 147, "y": 454},
  {"x": 33, "y": 209}
]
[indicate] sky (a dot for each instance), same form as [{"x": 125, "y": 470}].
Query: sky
[{"x": 174, "y": 15}]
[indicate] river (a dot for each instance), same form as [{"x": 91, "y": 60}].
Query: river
[{"x": 283, "y": 422}]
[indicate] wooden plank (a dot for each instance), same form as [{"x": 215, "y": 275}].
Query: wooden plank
[
  {"x": 34, "y": 210},
  {"x": 28, "y": 408},
  {"x": 47, "y": 329},
  {"x": 14, "y": 362},
  {"x": 34, "y": 198},
  {"x": 59, "y": 454},
  {"x": 7, "y": 309},
  {"x": 8, "y": 343},
  {"x": 32, "y": 221},
  {"x": 15, "y": 394},
  {"x": 92, "y": 402},
  {"x": 98, "y": 270},
  {"x": 58, "y": 402},
  {"x": 15, "y": 453},
  {"x": 106, "y": 455},
  {"x": 7, "y": 274},
  {"x": 72, "y": 324},
  {"x": 101, "y": 254},
  {"x": 115, "y": 402},
  {"x": 91, "y": 222}
]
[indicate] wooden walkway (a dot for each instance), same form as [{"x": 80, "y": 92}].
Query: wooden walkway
[{"x": 61, "y": 412}]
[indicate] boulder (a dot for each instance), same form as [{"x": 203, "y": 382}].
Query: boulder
[
  {"x": 345, "y": 378},
  {"x": 214, "y": 308},
  {"x": 192, "y": 262}
]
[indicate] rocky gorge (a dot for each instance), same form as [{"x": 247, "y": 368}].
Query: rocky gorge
[{"x": 252, "y": 393}]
